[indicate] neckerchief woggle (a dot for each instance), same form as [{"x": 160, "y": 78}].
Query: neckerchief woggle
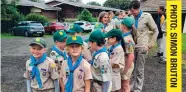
[
  {"x": 70, "y": 81},
  {"x": 112, "y": 48},
  {"x": 104, "y": 49},
  {"x": 137, "y": 18},
  {"x": 60, "y": 52},
  {"x": 35, "y": 70},
  {"x": 126, "y": 34}
]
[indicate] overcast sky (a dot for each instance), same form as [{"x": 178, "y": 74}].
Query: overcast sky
[{"x": 86, "y": 1}]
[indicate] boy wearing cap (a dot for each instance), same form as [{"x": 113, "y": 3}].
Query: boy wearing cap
[
  {"x": 40, "y": 69},
  {"x": 116, "y": 55},
  {"x": 76, "y": 30},
  {"x": 99, "y": 26},
  {"x": 75, "y": 73},
  {"x": 101, "y": 67},
  {"x": 58, "y": 53},
  {"x": 128, "y": 45}
]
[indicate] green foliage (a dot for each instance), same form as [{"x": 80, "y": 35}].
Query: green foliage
[
  {"x": 9, "y": 17},
  {"x": 119, "y": 4},
  {"x": 94, "y": 3},
  {"x": 36, "y": 17},
  {"x": 85, "y": 15}
]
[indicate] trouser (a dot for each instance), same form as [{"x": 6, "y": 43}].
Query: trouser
[
  {"x": 159, "y": 43},
  {"x": 164, "y": 46},
  {"x": 137, "y": 78}
]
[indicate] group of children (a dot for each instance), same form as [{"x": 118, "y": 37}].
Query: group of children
[{"x": 103, "y": 64}]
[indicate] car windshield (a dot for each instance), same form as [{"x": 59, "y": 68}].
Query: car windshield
[
  {"x": 79, "y": 23},
  {"x": 35, "y": 24}
]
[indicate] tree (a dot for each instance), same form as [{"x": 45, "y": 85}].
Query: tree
[
  {"x": 85, "y": 15},
  {"x": 36, "y": 17},
  {"x": 94, "y": 3},
  {"x": 119, "y": 4}
]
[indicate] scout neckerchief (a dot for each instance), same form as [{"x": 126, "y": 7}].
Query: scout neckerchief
[
  {"x": 59, "y": 52},
  {"x": 112, "y": 48},
  {"x": 97, "y": 52},
  {"x": 137, "y": 18},
  {"x": 69, "y": 84},
  {"x": 126, "y": 34},
  {"x": 35, "y": 71}
]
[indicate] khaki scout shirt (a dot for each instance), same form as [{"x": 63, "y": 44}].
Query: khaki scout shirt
[
  {"x": 86, "y": 52},
  {"x": 81, "y": 74},
  {"x": 58, "y": 59},
  {"x": 117, "y": 57},
  {"x": 48, "y": 73},
  {"x": 101, "y": 68},
  {"x": 129, "y": 44},
  {"x": 108, "y": 28},
  {"x": 146, "y": 24}
]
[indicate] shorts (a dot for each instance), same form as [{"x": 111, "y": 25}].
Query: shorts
[{"x": 128, "y": 74}]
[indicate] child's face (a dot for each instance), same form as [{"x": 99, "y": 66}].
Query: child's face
[
  {"x": 123, "y": 28},
  {"x": 37, "y": 51},
  {"x": 61, "y": 45},
  {"x": 112, "y": 40},
  {"x": 92, "y": 46},
  {"x": 74, "y": 49}
]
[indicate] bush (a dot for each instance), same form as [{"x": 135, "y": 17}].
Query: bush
[
  {"x": 36, "y": 17},
  {"x": 85, "y": 15},
  {"x": 9, "y": 17}
]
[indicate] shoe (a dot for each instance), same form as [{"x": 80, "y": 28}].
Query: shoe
[{"x": 158, "y": 54}]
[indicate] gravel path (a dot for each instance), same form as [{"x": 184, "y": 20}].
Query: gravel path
[{"x": 15, "y": 52}]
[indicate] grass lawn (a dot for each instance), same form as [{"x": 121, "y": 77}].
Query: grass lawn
[
  {"x": 184, "y": 44},
  {"x": 9, "y": 35}
]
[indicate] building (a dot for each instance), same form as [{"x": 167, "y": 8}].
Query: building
[
  {"x": 72, "y": 9},
  {"x": 151, "y": 6}
]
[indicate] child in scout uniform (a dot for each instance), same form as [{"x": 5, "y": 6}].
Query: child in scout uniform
[
  {"x": 58, "y": 53},
  {"x": 77, "y": 30},
  {"x": 128, "y": 45},
  {"x": 101, "y": 67},
  {"x": 75, "y": 72},
  {"x": 41, "y": 71},
  {"x": 99, "y": 26},
  {"x": 116, "y": 55}
]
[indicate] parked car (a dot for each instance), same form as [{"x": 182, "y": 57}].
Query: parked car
[
  {"x": 28, "y": 28},
  {"x": 86, "y": 26},
  {"x": 51, "y": 28}
]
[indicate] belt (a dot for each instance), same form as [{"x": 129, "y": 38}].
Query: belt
[{"x": 98, "y": 82}]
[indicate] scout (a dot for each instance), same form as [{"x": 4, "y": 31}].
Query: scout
[
  {"x": 75, "y": 72},
  {"x": 116, "y": 55},
  {"x": 40, "y": 69},
  {"x": 99, "y": 26},
  {"x": 77, "y": 30},
  {"x": 128, "y": 45},
  {"x": 143, "y": 23},
  {"x": 58, "y": 53},
  {"x": 101, "y": 67}
]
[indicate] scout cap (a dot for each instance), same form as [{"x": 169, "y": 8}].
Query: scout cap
[
  {"x": 59, "y": 36},
  {"x": 114, "y": 33},
  {"x": 128, "y": 21},
  {"x": 39, "y": 41},
  {"x": 96, "y": 36},
  {"x": 99, "y": 25},
  {"x": 74, "y": 39},
  {"x": 75, "y": 28}
]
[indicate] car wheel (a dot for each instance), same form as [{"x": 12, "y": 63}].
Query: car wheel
[
  {"x": 41, "y": 35},
  {"x": 26, "y": 34},
  {"x": 53, "y": 32},
  {"x": 13, "y": 33}
]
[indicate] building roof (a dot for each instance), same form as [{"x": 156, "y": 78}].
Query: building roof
[
  {"x": 83, "y": 5},
  {"x": 152, "y": 5},
  {"x": 37, "y": 5}
]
